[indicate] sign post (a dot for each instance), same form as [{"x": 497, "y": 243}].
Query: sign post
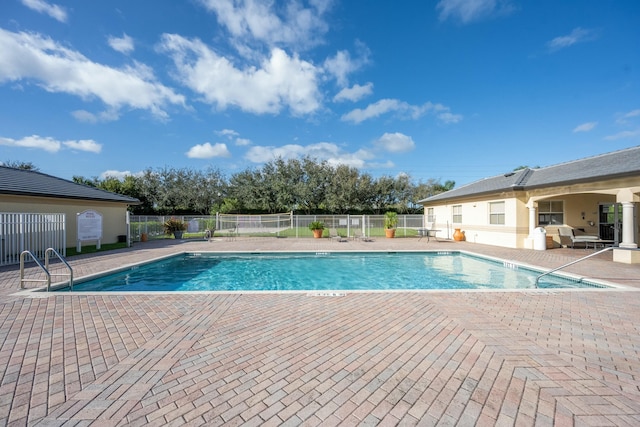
[{"x": 89, "y": 228}]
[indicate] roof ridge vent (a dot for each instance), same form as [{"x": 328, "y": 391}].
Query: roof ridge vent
[{"x": 522, "y": 179}]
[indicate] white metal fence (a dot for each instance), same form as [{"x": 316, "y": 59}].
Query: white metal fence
[
  {"x": 35, "y": 232},
  {"x": 279, "y": 225}
]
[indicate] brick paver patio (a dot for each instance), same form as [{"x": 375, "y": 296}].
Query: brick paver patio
[{"x": 538, "y": 357}]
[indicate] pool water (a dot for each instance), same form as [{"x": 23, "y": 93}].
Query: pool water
[{"x": 322, "y": 272}]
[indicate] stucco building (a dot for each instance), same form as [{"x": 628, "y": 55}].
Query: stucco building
[
  {"x": 596, "y": 196},
  {"x": 24, "y": 191}
]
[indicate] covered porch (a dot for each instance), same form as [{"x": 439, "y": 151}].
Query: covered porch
[{"x": 610, "y": 214}]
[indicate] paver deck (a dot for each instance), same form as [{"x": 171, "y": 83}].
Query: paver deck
[{"x": 539, "y": 357}]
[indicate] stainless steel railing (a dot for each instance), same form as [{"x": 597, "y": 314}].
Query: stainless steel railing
[{"x": 573, "y": 262}]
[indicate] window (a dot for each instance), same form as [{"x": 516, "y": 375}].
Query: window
[
  {"x": 430, "y": 216},
  {"x": 551, "y": 212},
  {"x": 496, "y": 213},
  {"x": 457, "y": 213}
]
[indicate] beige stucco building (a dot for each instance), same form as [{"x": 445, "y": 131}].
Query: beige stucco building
[
  {"x": 23, "y": 191},
  {"x": 596, "y": 196}
]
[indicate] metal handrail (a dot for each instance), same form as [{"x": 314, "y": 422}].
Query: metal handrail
[
  {"x": 64, "y": 261},
  {"x": 573, "y": 262},
  {"x": 46, "y": 272}
]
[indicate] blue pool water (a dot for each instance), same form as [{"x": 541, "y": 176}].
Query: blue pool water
[{"x": 322, "y": 272}]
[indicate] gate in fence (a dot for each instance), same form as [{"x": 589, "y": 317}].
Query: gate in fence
[
  {"x": 35, "y": 232},
  {"x": 144, "y": 227}
]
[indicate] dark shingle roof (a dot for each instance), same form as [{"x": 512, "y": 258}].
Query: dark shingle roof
[
  {"x": 29, "y": 183},
  {"x": 617, "y": 164}
]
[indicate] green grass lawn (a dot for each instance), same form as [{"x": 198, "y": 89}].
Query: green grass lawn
[
  {"x": 90, "y": 249},
  {"x": 290, "y": 232}
]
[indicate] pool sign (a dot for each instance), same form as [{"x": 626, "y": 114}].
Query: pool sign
[{"x": 89, "y": 228}]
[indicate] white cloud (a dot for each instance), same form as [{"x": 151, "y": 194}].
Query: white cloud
[
  {"x": 374, "y": 110},
  {"x": 280, "y": 80},
  {"x": 28, "y": 56},
  {"x": 467, "y": 11},
  {"x": 403, "y": 109},
  {"x": 84, "y": 145},
  {"x": 207, "y": 151},
  {"x": 395, "y": 143},
  {"x": 229, "y": 133},
  {"x": 354, "y": 93},
  {"x": 585, "y": 127},
  {"x": 623, "y": 135},
  {"x": 359, "y": 159},
  {"x": 120, "y": 175},
  {"x": 34, "y": 141},
  {"x": 330, "y": 152},
  {"x": 53, "y": 10},
  {"x": 631, "y": 114},
  {"x": 51, "y": 145},
  {"x": 342, "y": 64},
  {"x": 270, "y": 23},
  {"x": 122, "y": 44},
  {"x": 102, "y": 117},
  {"x": 578, "y": 35},
  {"x": 448, "y": 118}
]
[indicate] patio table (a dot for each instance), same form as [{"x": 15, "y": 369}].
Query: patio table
[{"x": 428, "y": 233}]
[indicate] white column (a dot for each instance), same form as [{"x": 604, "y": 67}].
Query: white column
[
  {"x": 628, "y": 238},
  {"x": 532, "y": 220}
]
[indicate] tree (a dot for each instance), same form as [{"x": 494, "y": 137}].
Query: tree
[
  {"x": 16, "y": 164},
  {"x": 150, "y": 189},
  {"x": 280, "y": 185},
  {"x": 85, "y": 181},
  {"x": 286, "y": 184},
  {"x": 312, "y": 189},
  {"x": 213, "y": 192},
  {"x": 342, "y": 195},
  {"x": 365, "y": 187},
  {"x": 244, "y": 189},
  {"x": 383, "y": 196},
  {"x": 403, "y": 191},
  {"x": 430, "y": 188}
]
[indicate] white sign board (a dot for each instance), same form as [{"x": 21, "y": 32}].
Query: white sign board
[{"x": 89, "y": 227}]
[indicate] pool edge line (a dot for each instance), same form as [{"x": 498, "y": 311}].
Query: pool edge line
[{"x": 599, "y": 285}]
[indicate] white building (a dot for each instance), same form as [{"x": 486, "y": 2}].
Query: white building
[{"x": 595, "y": 196}]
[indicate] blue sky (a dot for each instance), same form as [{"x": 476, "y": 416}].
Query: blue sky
[{"x": 450, "y": 89}]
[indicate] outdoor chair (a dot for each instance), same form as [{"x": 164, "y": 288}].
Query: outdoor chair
[
  {"x": 333, "y": 235},
  {"x": 232, "y": 233},
  {"x": 568, "y": 238},
  {"x": 357, "y": 235}
]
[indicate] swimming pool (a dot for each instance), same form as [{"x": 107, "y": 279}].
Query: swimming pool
[{"x": 323, "y": 271}]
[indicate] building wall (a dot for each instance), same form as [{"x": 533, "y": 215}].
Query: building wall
[
  {"x": 113, "y": 214},
  {"x": 579, "y": 210},
  {"x": 476, "y": 225}
]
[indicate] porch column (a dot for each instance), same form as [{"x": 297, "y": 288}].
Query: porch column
[
  {"x": 532, "y": 220},
  {"x": 628, "y": 238}
]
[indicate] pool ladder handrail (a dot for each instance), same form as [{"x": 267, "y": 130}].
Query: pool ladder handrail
[
  {"x": 573, "y": 262},
  {"x": 45, "y": 268}
]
